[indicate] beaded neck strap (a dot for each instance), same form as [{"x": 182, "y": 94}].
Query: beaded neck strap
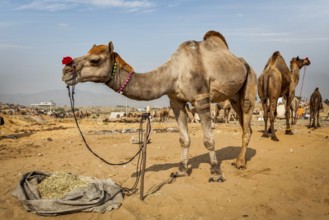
[
  {"x": 126, "y": 82},
  {"x": 118, "y": 61}
]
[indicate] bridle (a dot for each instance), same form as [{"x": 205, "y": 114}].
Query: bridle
[{"x": 114, "y": 70}]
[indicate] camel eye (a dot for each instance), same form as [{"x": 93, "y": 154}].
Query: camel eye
[{"x": 95, "y": 61}]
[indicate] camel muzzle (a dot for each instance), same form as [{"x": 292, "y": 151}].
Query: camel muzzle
[{"x": 70, "y": 74}]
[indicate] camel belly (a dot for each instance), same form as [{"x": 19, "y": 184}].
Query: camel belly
[{"x": 220, "y": 92}]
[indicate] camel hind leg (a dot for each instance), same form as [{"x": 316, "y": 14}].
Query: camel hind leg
[
  {"x": 244, "y": 104},
  {"x": 265, "y": 117},
  {"x": 318, "y": 118},
  {"x": 243, "y": 108}
]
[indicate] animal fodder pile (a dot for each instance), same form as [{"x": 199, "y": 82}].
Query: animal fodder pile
[{"x": 58, "y": 184}]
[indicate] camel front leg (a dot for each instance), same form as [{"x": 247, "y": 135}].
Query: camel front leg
[
  {"x": 181, "y": 118},
  {"x": 202, "y": 106},
  {"x": 287, "y": 114}
]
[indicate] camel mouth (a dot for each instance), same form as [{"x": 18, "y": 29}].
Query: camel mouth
[
  {"x": 307, "y": 61},
  {"x": 71, "y": 82},
  {"x": 70, "y": 76}
]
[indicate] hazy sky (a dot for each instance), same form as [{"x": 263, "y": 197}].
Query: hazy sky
[{"x": 36, "y": 34}]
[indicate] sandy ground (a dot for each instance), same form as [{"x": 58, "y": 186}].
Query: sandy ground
[{"x": 283, "y": 180}]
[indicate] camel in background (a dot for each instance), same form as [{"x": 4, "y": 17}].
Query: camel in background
[
  {"x": 315, "y": 106},
  {"x": 192, "y": 115},
  {"x": 161, "y": 115},
  {"x": 226, "y": 107},
  {"x": 199, "y": 72},
  {"x": 277, "y": 81},
  {"x": 293, "y": 109}
]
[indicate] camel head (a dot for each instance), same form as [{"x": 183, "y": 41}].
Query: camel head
[
  {"x": 300, "y": 62},
  {"x": 95, "y": 66}
]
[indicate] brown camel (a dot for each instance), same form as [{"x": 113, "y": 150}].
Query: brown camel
[
  {"x": 199, "y": 72},
  {"x": 315, "y": 106},
  {"x": 293, "y": 109},
  {"x": 278, "y": 81},
  {"x": 161, "y": 115},
  {"x": 226, "y": 107},
  {"x": 192, "y": 115}
]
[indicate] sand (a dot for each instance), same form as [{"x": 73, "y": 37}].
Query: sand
[{"x": 283, "y": 180}]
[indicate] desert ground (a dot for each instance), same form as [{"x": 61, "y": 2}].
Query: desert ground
[{"x": 283, "y": 180}]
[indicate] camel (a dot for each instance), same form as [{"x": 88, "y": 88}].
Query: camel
[
  {"x": 277, "y": 81},
  {"x": 161, "y": 115},
  {"x": 315, "y": 106},
  {"x": 198, "y": 72},
  {"x": 226, "y": 107},
  {"x": 293, "y": 109},
  {"x": 192, "y": 115}
]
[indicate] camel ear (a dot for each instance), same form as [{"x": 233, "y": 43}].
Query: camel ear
[{"x": 111, "y": 47}]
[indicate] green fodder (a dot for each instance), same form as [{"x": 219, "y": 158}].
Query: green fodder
[{"x": 58, "y": 184}]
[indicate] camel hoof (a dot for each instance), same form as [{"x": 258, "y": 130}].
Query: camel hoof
[
  {"x": 289, "y": 132},
  {"x": 239, "y": 166},
  {"x": 265, "y": 135},
  {"x": 178, "y": 174},
  {"x": 218, "y": 179},
  {"x": 275, "y": 138}
]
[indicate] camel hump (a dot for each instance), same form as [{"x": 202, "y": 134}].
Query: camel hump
[
  {"x": 215, "y": 34},
  {"x": 275, "y": 55},
  {"x": 272, "y": 59}
]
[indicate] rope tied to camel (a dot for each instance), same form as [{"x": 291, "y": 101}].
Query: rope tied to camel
[{"x": 141, "y": 159}]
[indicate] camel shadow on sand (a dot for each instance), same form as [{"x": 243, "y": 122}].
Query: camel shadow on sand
[{"x": 226, "y": 153}]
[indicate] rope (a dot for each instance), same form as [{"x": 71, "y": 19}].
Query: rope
[
  {"x": 141, "y": 162},
  {"x": 300, "y": 94},
  {"x": 301, "y": 88}
]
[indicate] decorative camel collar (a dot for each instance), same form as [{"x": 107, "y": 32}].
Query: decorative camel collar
[{"x": 118, "y": 61}]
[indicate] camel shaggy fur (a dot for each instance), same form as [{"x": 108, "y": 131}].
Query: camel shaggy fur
[
  {"x": 199, "y": 72},
  {"x": 277, "y": 81}
]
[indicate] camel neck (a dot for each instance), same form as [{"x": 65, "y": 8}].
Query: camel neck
[
  {"x": 295, "y": 72},
  {"x": 142, "y": 86}
]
